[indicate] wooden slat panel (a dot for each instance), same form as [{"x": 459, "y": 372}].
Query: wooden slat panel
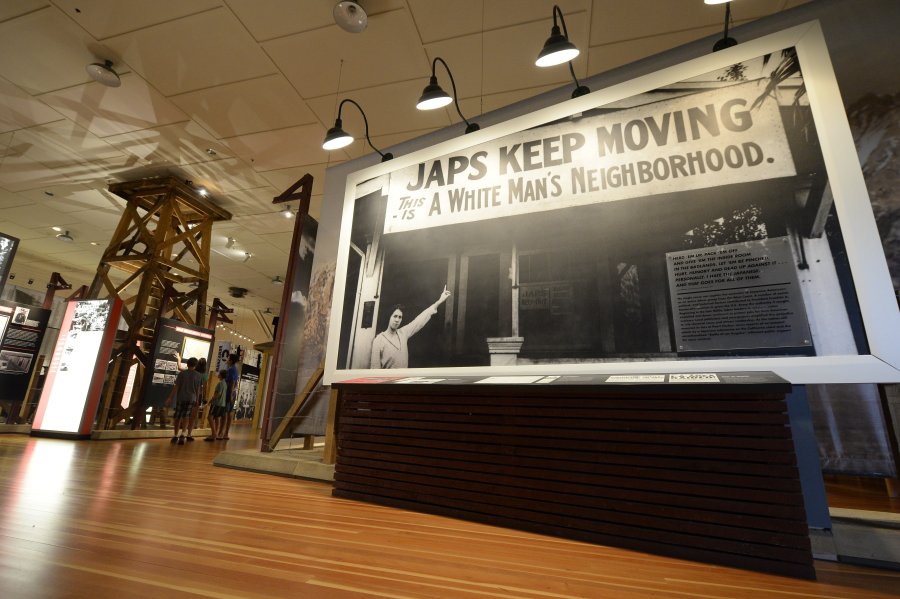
[{"x": 708, "y": 476}]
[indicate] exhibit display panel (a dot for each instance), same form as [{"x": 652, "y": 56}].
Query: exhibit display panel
[
  {"x": 77, "y": 368},
  {"x": 711, "y": 211},
  {"x": 22, "y": 330},
  {"x": 173, "y": 339}
]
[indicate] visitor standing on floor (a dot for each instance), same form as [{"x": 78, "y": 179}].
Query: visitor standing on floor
[
  {"x": 231, "y": 394},
  {"x": 217, "y": 407},
  {"x": 186, "y": 393}
]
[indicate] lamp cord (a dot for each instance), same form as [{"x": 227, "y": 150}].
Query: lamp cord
[
  {"x": 453, "y": 85},
  {"x": 556, "y": 10},
  {"x": 366, "y": 122}
]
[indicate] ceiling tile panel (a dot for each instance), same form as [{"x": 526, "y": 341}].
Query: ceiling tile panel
[
  {"x": 9, "y": 10},
  {"x": 224, "y": 176},
  {"x": 388, "y": 50},
  {"x": 282, "y": 179},
  {"x": 250, "y": 201},
  {"x": 106, "y": 111},
  {"x": 445, "y": 20},
  {"x": 616, "y": 21},
  {"x": 282, "y": 17},
  {"x": 283, "y": 148},
  {"x": 37, "y": 217},
  {"x": 18, "y": 173},
  {"x": 51, "y": 51},
  {"x": 105, "y": 18},
  {"x": 609, "y": 56},
  {"x": 21, "y": 110},
  {"x": 71, "y": 198},
  {"x": 9, "y": 199},
  {"x": 177, "y": 144},
  {"x": 196, "y": 52},
  {"x": 22, "y": 233},
  {"x": 247, "y": 107}
]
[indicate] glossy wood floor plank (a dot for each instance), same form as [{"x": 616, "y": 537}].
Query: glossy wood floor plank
[{"x": 148, "y": 519}]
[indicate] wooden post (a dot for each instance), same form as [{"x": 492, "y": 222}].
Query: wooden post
[
  {"x": 29, "y": 394},
  {"x": 331, "y": 428}
]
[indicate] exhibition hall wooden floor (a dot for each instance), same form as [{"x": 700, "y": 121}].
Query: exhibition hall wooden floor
[{"x": 148, "y": 519}]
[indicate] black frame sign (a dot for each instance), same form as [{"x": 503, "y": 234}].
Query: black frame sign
[
  {"x": 173, "y": 336},
  {"x": 22, "y": 329},
  {"x": 573, "y": 236}
]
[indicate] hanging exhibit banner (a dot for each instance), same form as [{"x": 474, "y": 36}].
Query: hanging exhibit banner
[
  {"x": 246, "y": 394},
  {"x": 22, "y": 330},
  {"x": 174, "y": 340},
  {"x": 550, "y": 241},
  {"x": 77, "y": 368},
  {"x": 8, "y": 246}
]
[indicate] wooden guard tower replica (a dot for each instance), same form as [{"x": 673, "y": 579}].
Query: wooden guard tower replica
[{"x": 157, "y": 263}]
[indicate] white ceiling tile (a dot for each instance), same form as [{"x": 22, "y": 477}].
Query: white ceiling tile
[
  {"x": 283, "y": 179},
  {"x": 615, "y": 21},
  {"x": 177, "y": 144},
  {"x": 18, "y": 173},
  {"x": 388, "y": 50},
  {"x": 71, "y": 198},
  {"x": 260, "y": 224},
  {"x": 105, "y": 18},
  {"x": 283, "y": 17},
  {"x": 609, "y": 56},
  {"x": 199, "y": 51},
  {"x": 37, "y": 217},
  {"x": 20, "y": 232},
  {"x": 50, "y": 50},
  {"x": 247, "y": 106},
  {"x": 473, "y": 107},
  {"x": 283, "y": 148},
  {"x": 9, "y": 199},
  {"x": 224, "y": 176},
  {"x": 249, "y": 201},
  {"x": 21, "y": 110},
  {"x": 446, "y": 20},
  {"x": 359, "y": 148},
  {"x": 106, "y": 111},
  {"x": 9, "y": 10}
]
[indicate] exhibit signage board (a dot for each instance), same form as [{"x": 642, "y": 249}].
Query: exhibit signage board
[
  {"x": 8, "y": 246},
  {"x": 78, "y": 367},
  {"x": 22, "y": 330},
  {"x": 553, "y": 238},
  {"x": 174, "y": 339}
]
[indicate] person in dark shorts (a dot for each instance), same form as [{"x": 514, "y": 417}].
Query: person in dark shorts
[
  {"x": 217, "y": 406},
  {"x": 186, "y": 393}
]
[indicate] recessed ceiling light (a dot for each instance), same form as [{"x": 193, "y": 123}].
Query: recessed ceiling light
[
  {"x": 49, "y": 193},
  {"x": 211, "y": 152},
  {"x": 57, "y": 229},
  {"x": 93, "y": 243}
]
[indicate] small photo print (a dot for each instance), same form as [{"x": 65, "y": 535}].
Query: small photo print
[
  {"x": 14, "y": 361},
  {"x": 21, "y": 315},
  {"x": 90, "y": 315},
  {"x": 160, "y": 364},
  {"x": 169, "y": 379},
  {"x": 158, "y": 379}
]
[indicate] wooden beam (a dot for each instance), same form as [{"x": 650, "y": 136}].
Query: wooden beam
[{"x": 299, "y": 401}]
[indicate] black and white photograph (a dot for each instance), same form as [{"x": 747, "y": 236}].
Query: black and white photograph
[
  {"x": 8, "y": 246},
  {"x": 15, "y": 362},
  {"x": 91, "y": 315},
  {"x": 611, "y": 235},
  {"x": 20, "y": 316}
]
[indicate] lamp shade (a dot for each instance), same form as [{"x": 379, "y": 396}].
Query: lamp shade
[
  {"x": 433, "y": 96},
  {"x": 336, "y": 137},
  {"x": 557, "y": 50}
]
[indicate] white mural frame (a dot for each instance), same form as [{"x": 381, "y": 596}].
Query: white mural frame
[{"x": 878, "y": 307}]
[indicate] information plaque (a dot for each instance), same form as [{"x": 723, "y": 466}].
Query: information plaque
[{"x": 737, "y": 296}]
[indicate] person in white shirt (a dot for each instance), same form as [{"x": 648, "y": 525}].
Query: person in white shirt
[{"x": 390, "y": 348}]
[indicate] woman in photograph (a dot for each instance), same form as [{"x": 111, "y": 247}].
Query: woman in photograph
[{"x": 390, "y": 348}]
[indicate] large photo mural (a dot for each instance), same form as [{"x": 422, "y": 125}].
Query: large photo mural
[{"x": 692, "y": 221}]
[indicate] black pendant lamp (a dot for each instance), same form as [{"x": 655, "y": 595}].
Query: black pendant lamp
[
  {"x": 337, "y": 138},
  {"x": 433, "y": 96},
  {"x": 558, "y": 49}
]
